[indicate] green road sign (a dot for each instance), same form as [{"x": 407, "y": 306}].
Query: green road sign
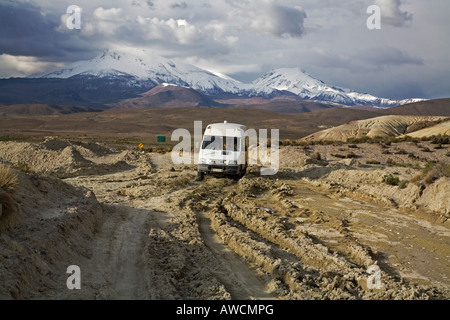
[{"x": 161, "y": 138}]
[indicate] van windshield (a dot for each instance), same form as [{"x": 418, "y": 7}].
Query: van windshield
[{"x": 221, "y": 143}]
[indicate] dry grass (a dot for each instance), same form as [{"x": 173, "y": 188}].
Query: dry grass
[
  {"x": 432, "y": 172},
  {"x": 8, "y": 179},
  {"x": 8, "y": 184}
]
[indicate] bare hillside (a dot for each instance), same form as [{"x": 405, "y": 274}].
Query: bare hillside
[
  {"x": 168, "y": 96},
  {"x": 437, "y": 107},
  {"x": 384, "y": 126},
  {"x": 442, "y": 128},
  {"x": 27, "y": 110}
]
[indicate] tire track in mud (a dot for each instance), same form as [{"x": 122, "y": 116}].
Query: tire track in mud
[
  {"x": 116, "y": 269},
  {"x": 236, "y": 276},
  {"x": 297, "y": 264},
  {"x": 127, "y": 272}
]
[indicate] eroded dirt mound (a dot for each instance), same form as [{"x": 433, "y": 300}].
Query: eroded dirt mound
[
  {"x": 51, "y": 231},
  {"x": 63, "y": 158},
  {"x": 412, "y": 176}
]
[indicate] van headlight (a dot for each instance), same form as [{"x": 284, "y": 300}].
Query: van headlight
[{"x": 232, "y": 162}]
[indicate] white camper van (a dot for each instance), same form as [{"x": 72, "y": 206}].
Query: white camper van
[{"x": 224, "y": 150}]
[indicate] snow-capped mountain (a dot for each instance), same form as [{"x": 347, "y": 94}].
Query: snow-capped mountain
[
  {"x": 130, "y": 72},
  {"x": 307, "y": 87},
  {"x": 138, "y": 67}
]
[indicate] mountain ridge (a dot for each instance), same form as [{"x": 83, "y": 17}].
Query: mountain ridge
[
  {"x": 307, "y": 87},
  {"x": 142, "y": 66},
  {"x": 140, "y": 71}
]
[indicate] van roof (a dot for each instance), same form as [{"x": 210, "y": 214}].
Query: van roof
[
  {"x": 226, "y": 125},
  {"x": 223, "y": 128}
]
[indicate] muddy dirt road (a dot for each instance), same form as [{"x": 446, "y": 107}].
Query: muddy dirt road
[
  {"x": 158, "y": 233},
  {"x": 123, "y": 237},
  {"x": 267, "y": 238}
]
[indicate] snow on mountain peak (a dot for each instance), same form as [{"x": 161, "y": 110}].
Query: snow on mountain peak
[
  {"x": 144, "y": 66},
  {"x": 139, "y": 64},
  {"x": 307, "y": 87},
  {"x": 290, "y": 79}
]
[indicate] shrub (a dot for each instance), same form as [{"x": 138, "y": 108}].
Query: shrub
[
  {"x": 395, "y": 181},
  {"x": 8, "y": 179},
  {"x": 440, "y": 140},
  {"x": 431, "y": 172},
  {"x": 391, "y": 180},
  {"x": 8, "y": 184},
  {"x": 402, "y": 184}
]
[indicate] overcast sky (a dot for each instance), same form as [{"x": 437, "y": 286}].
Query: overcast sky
[{"x": 329, "y": 39}]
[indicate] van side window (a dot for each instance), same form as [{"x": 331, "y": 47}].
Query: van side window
[{"x": 234, "y": 143}]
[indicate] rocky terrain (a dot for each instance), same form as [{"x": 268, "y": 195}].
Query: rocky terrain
[{"x": 140, "y": 227}]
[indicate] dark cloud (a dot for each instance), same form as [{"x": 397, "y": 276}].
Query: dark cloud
[
  {"x": 386, "y": 57},
  {"x": 25, "y": 31},
  {"x": 182, "y": 5},
  {"x": 138, "y": 3},
  {"x": 287, "y": 21},
  {"x": 269, "y": 18}
]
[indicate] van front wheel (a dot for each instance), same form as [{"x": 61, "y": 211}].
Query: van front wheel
[{"x": 200, "y": 175}]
